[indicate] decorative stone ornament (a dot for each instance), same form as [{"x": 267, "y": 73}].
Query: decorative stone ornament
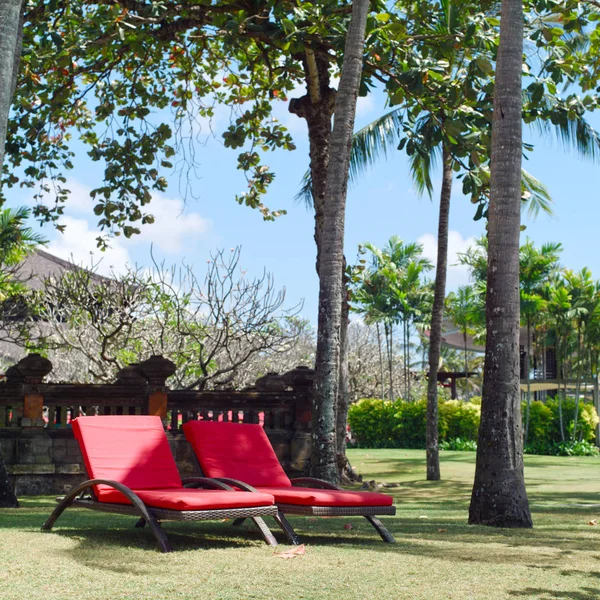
[
  {"x": 33, "y": 368},
  {"x": 156, "y": 369},
  {"x": 271, "y": 382},
  {"x": 301, "y": 376}
]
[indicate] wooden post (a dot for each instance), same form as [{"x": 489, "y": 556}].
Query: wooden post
[
  {"x": 157, "y": 404},
  {"x": 301, "y": 380},
  {"x": 156, "y": 370},
  {"x": 31, "y": 370}
]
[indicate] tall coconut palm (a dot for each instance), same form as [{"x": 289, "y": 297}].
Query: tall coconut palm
[
  {"x": 463, "y": 308},
  {"x": 499, "y": 497},
  {"x": 535, "y": 266},
  {"x": 324, "y": 460}
]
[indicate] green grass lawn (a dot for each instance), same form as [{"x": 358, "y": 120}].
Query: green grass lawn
[{"x": 438, "y": 556}]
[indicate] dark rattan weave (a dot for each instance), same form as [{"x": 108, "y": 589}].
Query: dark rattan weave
[
  {"x": 336, "y": 511},
  {"x": 163, "y": 514}
]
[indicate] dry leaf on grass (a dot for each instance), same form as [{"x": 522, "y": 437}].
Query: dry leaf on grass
[
  {"x": 292, "y": 552},
  {"x": 593, "y": 522},
  {"x": 348, "y": 526},
  {"x": 442, "y": 530}
]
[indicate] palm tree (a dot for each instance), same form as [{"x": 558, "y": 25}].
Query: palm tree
[
  {"x": 583, "y": 294},
  {"x": 535, "y": 266},
  {"x": 499, "y": 497},
  {"x": 16, "y": 240},
  {"x": 463, "y": 308},
  {"x": 324, "y": 458}
]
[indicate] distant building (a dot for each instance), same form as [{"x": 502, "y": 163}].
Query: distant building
[{"x": 33, "y": 272}]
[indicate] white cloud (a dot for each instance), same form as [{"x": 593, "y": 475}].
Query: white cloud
[
  {"x": 457, "y": 274},
  {"x": 365, "y": 105},
  {"x": 174, "y": 229},
  {"x": 78, "y": 244}
]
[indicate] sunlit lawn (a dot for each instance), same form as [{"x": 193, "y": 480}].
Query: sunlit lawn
[{"x": 92, "y": 555}]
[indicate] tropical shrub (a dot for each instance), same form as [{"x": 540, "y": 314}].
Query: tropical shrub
[
  {"x": 373, "y": 423},
  {"x": 399, "y": 424},
  {"x": 459, "y": 444},
  {"x": 461, "y": 419}
]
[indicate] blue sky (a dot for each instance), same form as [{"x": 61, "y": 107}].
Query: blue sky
[{"x": 382, "y": 204}]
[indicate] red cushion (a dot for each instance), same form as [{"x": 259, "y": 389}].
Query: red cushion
[
  {"x": 192, "y": 499},
  {"x": 132, "y": 450},
  {"x": 319, "y": 497},
  {"x": 236, "y": 450}
]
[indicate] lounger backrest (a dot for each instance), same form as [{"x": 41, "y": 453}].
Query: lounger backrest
[
  {"x": 132, "y": 450},
  {"x": 236, "y": 450}
]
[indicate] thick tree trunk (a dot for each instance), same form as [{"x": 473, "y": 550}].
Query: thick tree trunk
[
  {"x": 331, "y": 261},
  {"x": 341, "y": 414},
  {"x": 10, "y": 44},
  {"x": 437, "y": 316},
  {"x": 499, "y": 497},
  {"x": 11, "y": 32}
]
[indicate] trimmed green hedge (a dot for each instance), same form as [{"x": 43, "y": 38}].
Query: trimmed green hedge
[{"x": 385, "y": 424}]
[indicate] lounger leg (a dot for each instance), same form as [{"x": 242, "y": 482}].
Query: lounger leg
[
  {"x": 287, "y": 528},
  {"x": 159, "y": 534},
  {"x": 239, "y": 521},
  {"x": 386, "y": 536},
  {"x": 60, "y": 508},
  {"x": 141, "y": 522},
  {"x": 264, "y": 531}
]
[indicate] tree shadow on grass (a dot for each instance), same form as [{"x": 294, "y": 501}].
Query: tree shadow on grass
[
  {"x": 541, "y": 594},
  {"x": 123, "y": 546}
]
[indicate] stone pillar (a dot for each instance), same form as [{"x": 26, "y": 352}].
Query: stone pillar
[
  {"x": 30, "y": 371},
  {"x": 156, "y": 370},
  {"x": 300, "y": 380}
]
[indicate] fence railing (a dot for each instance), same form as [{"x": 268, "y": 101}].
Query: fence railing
[{"x": 280, "y": 403}]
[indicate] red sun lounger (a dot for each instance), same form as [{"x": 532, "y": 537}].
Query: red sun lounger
[
  {"x": 241, "y": 455},
  {"x": 132, "y": 472}
]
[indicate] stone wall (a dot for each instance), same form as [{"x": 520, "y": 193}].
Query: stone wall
[{"x": 42, "y": 457}]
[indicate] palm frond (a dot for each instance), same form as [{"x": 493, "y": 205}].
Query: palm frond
[
  {"x": 537, "y": 195},
  {"x": 369, "y": 144},
  {"x": 571, "y": 132}
]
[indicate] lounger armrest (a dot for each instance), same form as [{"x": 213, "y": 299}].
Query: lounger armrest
[
  {"x": 237, "y": 483},
  {"x": 205, "y": 482},
  {"x": 90, "y": 483},
  {"x": 316, "y": 483}
]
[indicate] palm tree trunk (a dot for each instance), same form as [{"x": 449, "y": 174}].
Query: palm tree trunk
[
  {"x": 341, "y": 414},
  {"x": 466, "y": 366},
  {"x": 528, "y": 409},
  {"x": 404, "y": 360},
  {"x": 11, "y": 35},
  {"x": 558, "y": 378},
  {"x": 388, "y": 350},
  {"x": 407, "y": 328},
  {"x": 437, "y": 316},
  {"x": 380, "y": 361},
  {"x": 499, "y": 497},
  {"x": 323, "y": 459},
  {"x": 578, "y": 383},
  {"x": 391, "y": 363}
]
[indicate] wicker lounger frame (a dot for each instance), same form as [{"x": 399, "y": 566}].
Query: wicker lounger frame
[
  {"x": 368, "y": 512},
  {"x": 82, "y": 496}
]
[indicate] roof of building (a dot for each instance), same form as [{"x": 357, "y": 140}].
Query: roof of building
[{"x": 41, "y": 265}]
